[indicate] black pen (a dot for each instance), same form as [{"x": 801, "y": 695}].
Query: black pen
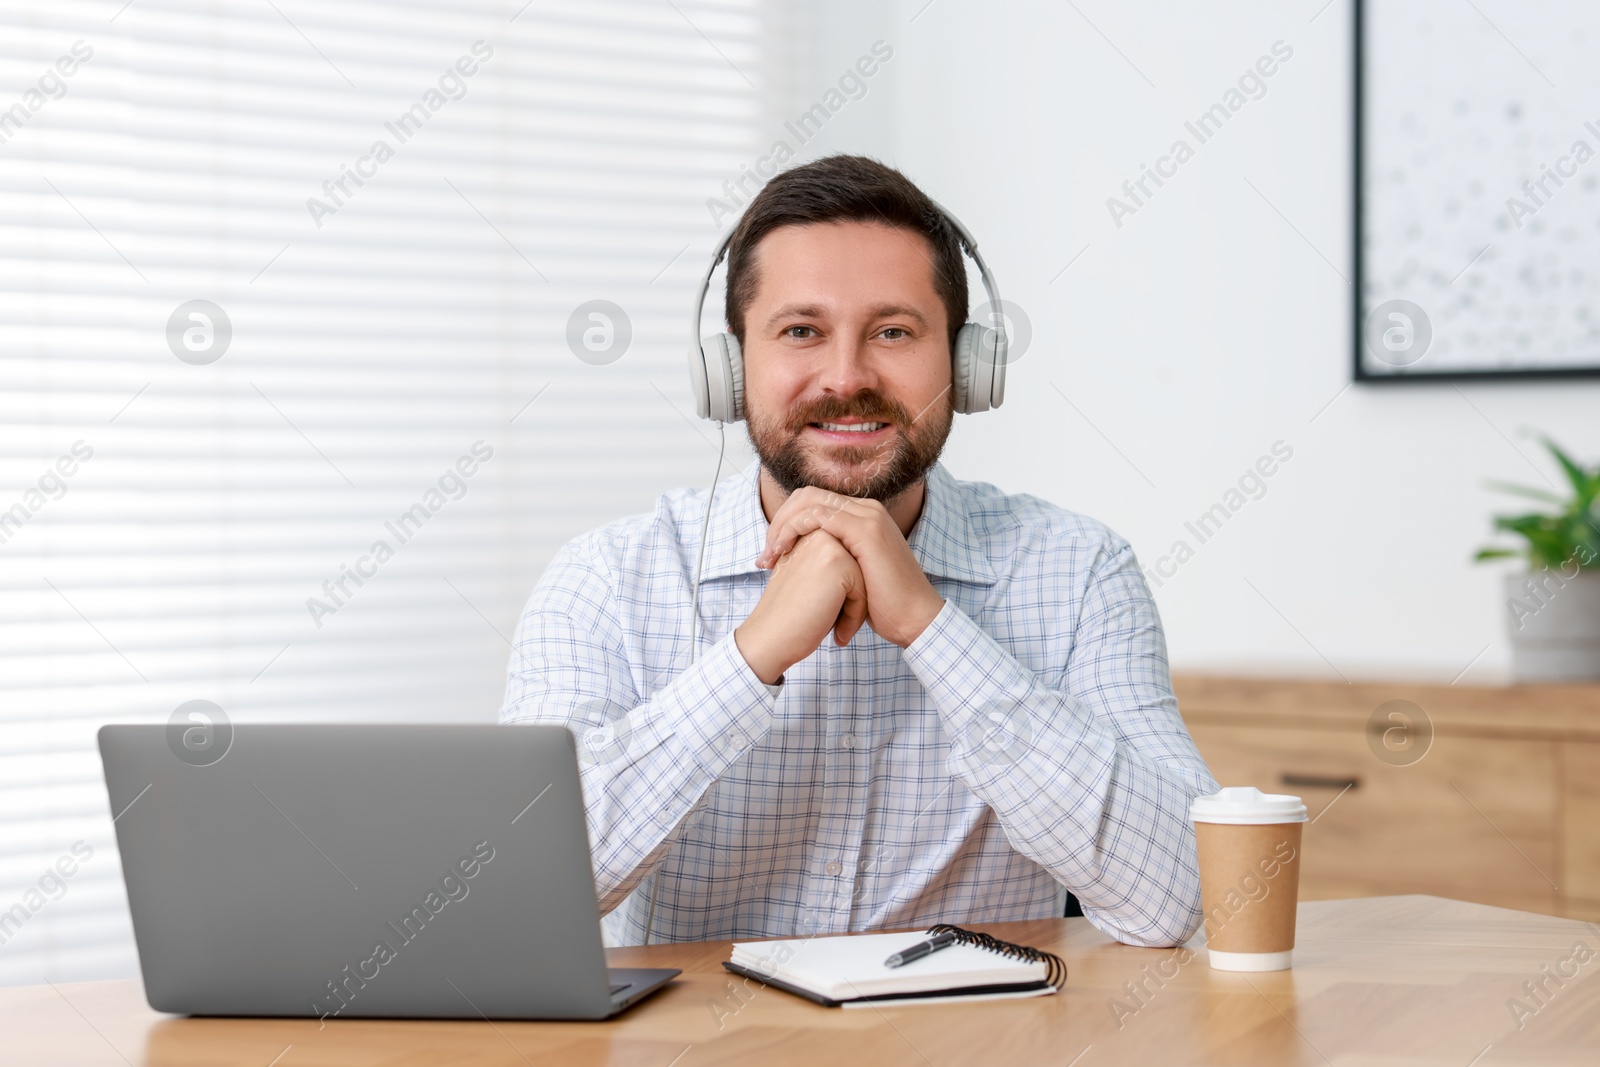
[{"x": 920, "y": 949}]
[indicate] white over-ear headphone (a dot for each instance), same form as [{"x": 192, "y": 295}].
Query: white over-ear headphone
[{"x": 977, "y": 363}]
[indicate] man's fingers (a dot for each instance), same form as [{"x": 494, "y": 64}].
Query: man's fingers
[
  {"x": 852, "y": 616},
  {"x": 794, "y": 520},
  {"x": 782, "y": 538},
  {"x": 799, "y": 516}
]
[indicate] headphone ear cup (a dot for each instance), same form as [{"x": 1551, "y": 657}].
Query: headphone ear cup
[
  {"x": 973, "y": 367},
  {"x": 724, "y": 378},
  {"x": 961, "y": 361},
  {"x": 735, "y": 357},
  {"x": 1002, "y": 358},
  {"x": 698, "y": 384}
]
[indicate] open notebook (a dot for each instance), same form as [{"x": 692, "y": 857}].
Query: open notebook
[{"x": 850, "y": 972}]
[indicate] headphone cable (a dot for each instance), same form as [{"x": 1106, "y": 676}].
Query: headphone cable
[
  {"x": 694, "y": 623},
  {"x": 705, "y": 526}
]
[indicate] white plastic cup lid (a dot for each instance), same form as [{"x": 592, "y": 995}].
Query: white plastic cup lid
[{"x": 1245, "y": 805}]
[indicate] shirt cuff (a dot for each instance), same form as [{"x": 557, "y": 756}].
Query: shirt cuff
[
  {"x": 728, "y": 707},
  {"x": 944, "y": 641}
]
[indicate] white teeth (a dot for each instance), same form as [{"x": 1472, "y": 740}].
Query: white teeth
[{"x": 853, "y": 427}]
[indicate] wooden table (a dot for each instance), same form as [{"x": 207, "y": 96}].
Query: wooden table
[{"x": 1381, "y": 980}]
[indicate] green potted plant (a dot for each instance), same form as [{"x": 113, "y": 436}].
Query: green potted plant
[{"x": 1553, "y": 610}]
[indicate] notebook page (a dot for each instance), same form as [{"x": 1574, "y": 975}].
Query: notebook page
[{"x": 852, "y": 966}]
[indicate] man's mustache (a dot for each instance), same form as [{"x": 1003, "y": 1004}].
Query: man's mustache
[{"x": 868, "y": 405}]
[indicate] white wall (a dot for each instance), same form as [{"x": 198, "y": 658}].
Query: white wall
[{"x": 1205, "y": 328}]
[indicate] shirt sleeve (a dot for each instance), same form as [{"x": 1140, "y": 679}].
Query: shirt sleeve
[
  {"x": 648, "y": 760},
  {"x": 1092, "y": 780}
]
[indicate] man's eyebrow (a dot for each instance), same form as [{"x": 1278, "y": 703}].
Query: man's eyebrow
[
  {"x": 811, "y": 311},
  {"x": 795, "y": 311},
  {"x": 891, "y": 311}
]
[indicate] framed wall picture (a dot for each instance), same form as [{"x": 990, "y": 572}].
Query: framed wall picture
[{"x": 1477, "y": 189}]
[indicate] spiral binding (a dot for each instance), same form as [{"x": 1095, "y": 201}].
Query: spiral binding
[{"x": 1056, "y": 973}]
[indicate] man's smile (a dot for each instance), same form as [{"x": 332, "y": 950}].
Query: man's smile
[{"x": 851, "y": 431}]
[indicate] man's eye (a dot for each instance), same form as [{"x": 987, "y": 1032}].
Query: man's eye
[
  {"x": 800, "y": 332},
  {"x": 893, "y": 333}
]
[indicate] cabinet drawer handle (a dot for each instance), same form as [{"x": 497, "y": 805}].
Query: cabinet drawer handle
[{"x": 1318, "y": 781}]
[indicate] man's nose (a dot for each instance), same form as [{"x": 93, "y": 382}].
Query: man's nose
[{"x": 847, "y": 367}]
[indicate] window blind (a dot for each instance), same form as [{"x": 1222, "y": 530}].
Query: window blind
[{"x": 282, "y": 283}]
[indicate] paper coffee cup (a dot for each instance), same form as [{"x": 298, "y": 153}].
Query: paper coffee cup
[{"x": 1249, "y": 848}]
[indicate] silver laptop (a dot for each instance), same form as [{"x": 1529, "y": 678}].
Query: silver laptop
[{"x": 361, "y": 871}]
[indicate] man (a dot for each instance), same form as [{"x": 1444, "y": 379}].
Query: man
[{"x": 915, "y": 700}]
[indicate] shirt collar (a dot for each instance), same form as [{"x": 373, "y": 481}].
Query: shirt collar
[{"x": 942, "y": 541}]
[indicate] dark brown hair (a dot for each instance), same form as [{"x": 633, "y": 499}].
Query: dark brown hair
[{"x": 844, "y": 188}]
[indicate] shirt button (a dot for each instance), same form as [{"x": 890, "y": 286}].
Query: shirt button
[
  {"x": 834, "y": 867},
  {"x": 848, "y": 741}
]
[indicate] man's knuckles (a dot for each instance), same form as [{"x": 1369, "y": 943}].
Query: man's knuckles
[
  {"x": 828, "y": 552},
  {"x": 816, "y": 549}
]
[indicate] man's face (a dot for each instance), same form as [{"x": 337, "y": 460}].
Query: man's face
[{"x": 847, "y": 359}]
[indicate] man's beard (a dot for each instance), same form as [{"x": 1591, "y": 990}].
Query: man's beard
[{"x": 879, "y": 471}]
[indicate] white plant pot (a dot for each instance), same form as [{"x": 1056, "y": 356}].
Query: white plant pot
[{"x": 1554, "y": 625}]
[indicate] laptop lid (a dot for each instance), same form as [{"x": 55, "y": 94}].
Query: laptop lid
[{"x": 359, "y": 870}]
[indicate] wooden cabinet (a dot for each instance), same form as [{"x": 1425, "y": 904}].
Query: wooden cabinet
[
  {"x": 1580, "y": 828},
  {"x": 1501, "y": 806}
]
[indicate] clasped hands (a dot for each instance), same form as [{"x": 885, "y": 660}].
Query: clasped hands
[{"x": 837, "y": 562}]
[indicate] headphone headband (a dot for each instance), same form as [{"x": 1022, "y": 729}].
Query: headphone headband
[{"x": 700, "y": 300}]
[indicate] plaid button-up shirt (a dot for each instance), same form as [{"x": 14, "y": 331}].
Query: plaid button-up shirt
[{"x": 1026, "y": 743}]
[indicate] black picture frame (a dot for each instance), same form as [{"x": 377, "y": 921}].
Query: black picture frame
[{"x": 1358, "y": 253}]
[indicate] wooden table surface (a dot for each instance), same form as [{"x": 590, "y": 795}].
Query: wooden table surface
[{"x": 1383, "y": 980}]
